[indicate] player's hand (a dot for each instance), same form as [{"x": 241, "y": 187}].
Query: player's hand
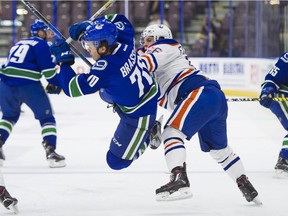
[
  {"x": 62, "y": 52},
  {"x": 77, "y": 29},
  {"x": 141, "y": 50},
  {"x": 53, "y": 89},
  {"x": 155, "y": 134},
  {"x": 267, "y": 95}
]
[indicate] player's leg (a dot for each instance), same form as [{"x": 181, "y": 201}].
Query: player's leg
[
  {"x": 129, "y": 141},
  {"x": 6, "y": 199},
  {"x": 37, "y": 100},
  {"x": 175, "y": 155},
  {"x": 213, "y": 139},
  {"x": 279, "y": 108},
  {"x": 10, "y": 105},
  {"x": 185, "y": 120}
]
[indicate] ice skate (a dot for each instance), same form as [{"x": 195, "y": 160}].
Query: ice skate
[
  {"x": 2, "y": 156},
  {"x": 248, "y": 190},
  {"x": 177, "y": 188},
  {"x": 281, "y": 168},
  {"x": 155, "y": 134},
  {"x": 8, "y": 202},
  {"x": 55, "y": 160}
]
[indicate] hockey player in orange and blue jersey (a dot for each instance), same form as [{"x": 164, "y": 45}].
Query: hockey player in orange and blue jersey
[
  {"x": 29, "y": 60},
  {"x": 276, "y": 86},
  {"x": 197, "y": 105},
  {"x": 121, "y": 79}
]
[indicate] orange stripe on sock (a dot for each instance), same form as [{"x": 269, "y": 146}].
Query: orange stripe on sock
[{"x": 167, "y": 146}]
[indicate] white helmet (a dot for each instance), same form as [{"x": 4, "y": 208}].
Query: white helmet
[{"x": 158, "y": 31}]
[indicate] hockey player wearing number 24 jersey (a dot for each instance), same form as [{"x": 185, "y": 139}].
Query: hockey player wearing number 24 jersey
[
  {"x": 197, "y": 105},
  {"x": 121, "y": 79},
  {"x": 276, "y": 86},
  {"x": 29, "y": 60}
]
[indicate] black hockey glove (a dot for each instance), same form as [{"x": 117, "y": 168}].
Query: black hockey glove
[
  {"x": 62, "y": 52},
  {"x": 53, "y": 89}
]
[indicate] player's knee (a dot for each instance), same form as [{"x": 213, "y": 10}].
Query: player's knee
[
  {"x": 50, "y": 120},
  {"x": 170, "y": 132},
  {"x": 13, "y": 120},
  {"x": 115, "y": 162},
  {"x": 222, "y": 154}
]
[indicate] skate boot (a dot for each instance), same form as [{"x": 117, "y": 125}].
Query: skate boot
[
  {"x": 2, "y": 156},
  {"x": 155, "y": 134},
  {"x": 8, "y": 201},
  {"x": 177, "y": 188},
  {"x": 281, "y": 168},
  {"x": 55, "y": 160},
  {"x": 248, "y": 190}
]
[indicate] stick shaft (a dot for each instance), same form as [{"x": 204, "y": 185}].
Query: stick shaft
[
  {"x": 55, "y": 30},
  {"x": 279, "y": 99}
]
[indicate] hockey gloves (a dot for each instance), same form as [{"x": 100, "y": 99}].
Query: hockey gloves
[
  {"x": 53, "y": 89},
  {"x": 77, "y": 29},
  {"x": 267, "y": 95},
  {"x": 62, "y": 52},
  {"x": 155, "y": 134}
]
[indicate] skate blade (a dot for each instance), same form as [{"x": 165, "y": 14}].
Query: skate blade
[
  {"x": 257, "y": 201},
  {"x": 59, "y": 164},
  {"x": 280, "y": 174},
  {"x": 183, "y": 193},
  {"x": 13, "y": 208},
  {"x": 1, "y": 163}
]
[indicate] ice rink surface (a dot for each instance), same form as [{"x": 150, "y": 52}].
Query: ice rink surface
[{"x": 88, "y": 187}]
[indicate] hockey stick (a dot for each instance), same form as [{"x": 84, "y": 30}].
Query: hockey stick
[
  {"x": 56, "y": 31},
  {"x": 97, "y": 14},
  {"x": 279, "y": 99}
]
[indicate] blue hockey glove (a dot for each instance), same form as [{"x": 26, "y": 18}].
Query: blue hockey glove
[
  {"x": 77, "y": 29},
  {"x": 267, "y": 95},
  {"x": 53, "y": 89},
  {"x": 62, "y": 52}
]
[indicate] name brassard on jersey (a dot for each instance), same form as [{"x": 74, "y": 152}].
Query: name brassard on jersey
[{"x": 129, "y": 64}]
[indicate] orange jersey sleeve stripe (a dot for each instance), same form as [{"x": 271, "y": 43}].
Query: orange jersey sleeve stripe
[{"x": 149, "y": 61}]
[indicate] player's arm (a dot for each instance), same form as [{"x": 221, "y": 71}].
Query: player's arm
[
  {"x": 73, "y": 85},
  {"x": 45, "y": 63},
  {"x": 273, "y": 81},
  {"x": 279, "y": 73},
  {"x": 126, "y": 30}
]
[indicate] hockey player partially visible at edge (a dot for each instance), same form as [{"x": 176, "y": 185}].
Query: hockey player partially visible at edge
[
  {"x": 197, "y": 105},
  {"x": 29, "y": 60},
  {"x": 5, "y": 198},
  {"x": 121, "y": 79},
  {"x": 276, "y": 86}
]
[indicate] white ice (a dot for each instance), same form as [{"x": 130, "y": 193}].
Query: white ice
[{"x": 88, "y": 187}]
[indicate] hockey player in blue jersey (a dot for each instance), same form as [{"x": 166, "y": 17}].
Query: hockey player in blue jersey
[
  {"x": 29, "y": 60},
  {"x": 121, "y": 79},
  {"x": 276, "y": 86},
  {"x": 197, "y": 105}
]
